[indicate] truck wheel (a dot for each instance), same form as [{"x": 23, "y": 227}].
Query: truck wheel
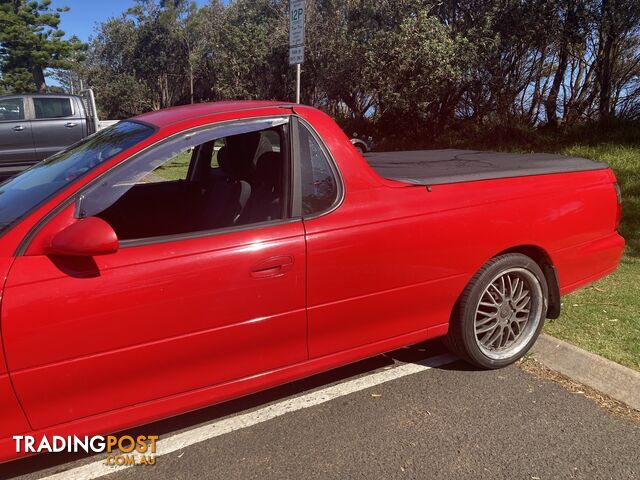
[{"x": 500, "y": 312}]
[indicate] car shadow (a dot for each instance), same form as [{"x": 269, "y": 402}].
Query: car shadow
[
  {"x": 412, "y": 354},
  {"x": 76, "y": 267}
]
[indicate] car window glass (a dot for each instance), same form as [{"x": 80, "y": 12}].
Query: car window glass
[
  {"x": 11, "y": 109},
  {"x": 154, "y": 195},
  {"x": 52, "y": 107},
  {"x": 319, "y": 185},
  {"x": 26, "y": 191},
  {"x": 175, "y": 168},
  {"x": 272, "y": 139}
]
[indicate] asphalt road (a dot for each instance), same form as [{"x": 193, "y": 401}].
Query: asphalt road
[{"x": 449, "y": 422}]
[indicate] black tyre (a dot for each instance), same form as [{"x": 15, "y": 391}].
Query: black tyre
[{"x": 500, "y": 313}]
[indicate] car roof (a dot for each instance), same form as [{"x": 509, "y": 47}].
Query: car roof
[
  {"x": 167, "y": 116},
  {"x": 38, "y": 94}
]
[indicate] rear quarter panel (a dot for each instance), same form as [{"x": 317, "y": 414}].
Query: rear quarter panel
[
  {"x": 400, "y": 257},
  {"x": 393, "y": 258},
  {"x": 570, "y": 216}
]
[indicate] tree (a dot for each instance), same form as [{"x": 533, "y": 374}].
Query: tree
[
  {"x": 191, "y": 28},
  {"x": 416, "y": 65},
  {"x": 113, "y": 73},
  {"x": 396, "y": 68},
  {"x": 72, "y": 79},
  {"x": 571, "y": 33},
  {"x": 617, "y": 21},
  {"x": 31, "y": 42},
  {"x": 337, "y": 69},
  {"x": 249, "y": 57}
]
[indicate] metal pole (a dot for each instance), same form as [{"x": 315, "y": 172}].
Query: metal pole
[{"x": 297, "y": 83}]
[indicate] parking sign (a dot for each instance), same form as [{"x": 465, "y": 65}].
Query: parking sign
[{"x": 296, "y": 32}]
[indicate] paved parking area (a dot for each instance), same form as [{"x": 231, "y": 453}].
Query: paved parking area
[{"x": 388, "y": 417}]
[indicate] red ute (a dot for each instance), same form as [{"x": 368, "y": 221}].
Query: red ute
[{"x": 196, "y": 254}]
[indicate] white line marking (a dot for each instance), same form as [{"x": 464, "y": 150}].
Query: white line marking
[{"x": 215, "y": 429}]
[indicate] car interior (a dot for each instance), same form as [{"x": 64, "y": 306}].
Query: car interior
[{"x": 233, "y": 181}]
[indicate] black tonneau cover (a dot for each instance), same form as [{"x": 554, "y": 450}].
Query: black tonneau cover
[{"x": 434, "y": 167}]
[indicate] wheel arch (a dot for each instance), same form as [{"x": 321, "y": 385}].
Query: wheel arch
[{"x": 543, "y": 259}]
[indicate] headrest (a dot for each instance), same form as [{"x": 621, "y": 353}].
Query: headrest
[
  {"x": 236, "y": 157},
  {"x": 245, "y": 144},
  {"x": 233, "y": 165},
  {"x": 269, "y": 170}
]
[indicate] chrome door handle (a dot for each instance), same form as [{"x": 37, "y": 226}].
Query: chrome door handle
[
  {"x": 18, "y": 128},
  {"x": 70, "y": 124}
]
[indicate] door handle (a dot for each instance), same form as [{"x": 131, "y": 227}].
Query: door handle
[
  {"x": 273, "y": 267},
  {"x": 18, "y": 128},
  {"x": 70, "y": 124}
]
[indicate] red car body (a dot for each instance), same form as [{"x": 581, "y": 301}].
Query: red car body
[{"x": 178, "y": 325}]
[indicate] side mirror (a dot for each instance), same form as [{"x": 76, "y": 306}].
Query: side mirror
[{"x": 87, "y": 237}]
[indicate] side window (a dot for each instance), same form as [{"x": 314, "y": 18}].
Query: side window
[
  {"x": 174, "y": 188},
  {"x": 319, "y": 184},
  {"x": 11, "y": 109},
  {"x": 52, "y": 107}
]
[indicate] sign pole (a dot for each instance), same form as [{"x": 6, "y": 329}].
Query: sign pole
[
  {"x": 296, "y": 39},
  {"x": 298, "y": 82}
]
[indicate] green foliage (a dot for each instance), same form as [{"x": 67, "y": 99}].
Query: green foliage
[
  {"x": 123, "y": 96},
  {"x": 403, "y": 71},
  {"x": 251, "y": 46},
  {"x": 17, "y": 79},
  {"x": 418, "y": 68},
  {"x": 603, "y": 318},
  {"x": 30, "y": 42}
]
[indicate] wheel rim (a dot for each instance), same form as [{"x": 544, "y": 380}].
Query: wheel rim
[{"x": 508, "y": 313}]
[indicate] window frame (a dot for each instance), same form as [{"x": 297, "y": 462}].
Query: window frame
[
  {"x": 296, "y": 194},
  {"x": 288, "y": 158}
]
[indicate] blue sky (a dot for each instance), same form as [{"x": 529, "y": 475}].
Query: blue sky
[{"x": 81, "y": 20}]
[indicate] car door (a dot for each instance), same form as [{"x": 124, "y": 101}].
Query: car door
[
  {"x": 12, "y": 419},
  {"x": 16, "y": 141},
  {"x": 57, "y": 123},
  {"x": 167, "y": 313}
]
